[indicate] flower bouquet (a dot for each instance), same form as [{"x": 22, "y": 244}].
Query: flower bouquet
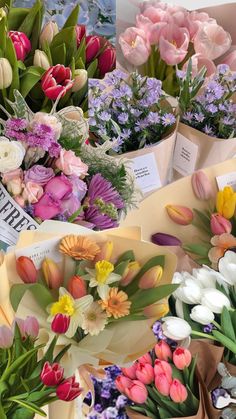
[
  {"x": 166, "y": 36},
  {"x": 44, "y": 64},
  {"x": 134, "y": 115}
]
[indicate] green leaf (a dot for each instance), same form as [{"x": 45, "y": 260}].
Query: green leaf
[
  {"x": 10, "y": 52},
  {"x": 197, "y": 249},
  {"x": 22, "y": 413},
  {"x": 226, "y": 324},
  {"x": 228, "y": 343},
  {"x": 3, "y": 33},
  {"x": 6, "y": 3},
  {"x": 66, "y": 36},
  {"x": 36, "y": 32},
  {"x": 204, "y": 219},
  {"x": 27, "y": 26},
  {"x": 30, "y": 406},
  {"x": 62, "y": 353},
  {"x": 155, "y": 261},
  {"x": 19, "y": 363},
  {"x": 59, "y": 54},
  {"x": 121, "y": 267},
  {"x": 41, "y": 294},
  {"x": 92, "y": 68},
  {"x": 80, "y": 53},
  {"x": 30, "y": 78},
  {"x": 72, "y": 20},
  {"x": 128, "y": 255},
  {"x": 15, "y": 17},
  {"x": 145, "y": 298}
]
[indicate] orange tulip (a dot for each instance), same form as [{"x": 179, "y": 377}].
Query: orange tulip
[
  {"x": 179, "y": 214},
  {"x": 151, "y": 278},
  {"x": 77, "y": 287},
  {"x": 26, "y": 270},
  {"x": 52, "y": 274}
]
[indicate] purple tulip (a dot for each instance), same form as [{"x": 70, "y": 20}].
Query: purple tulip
[{"x": 162, "y": 239}]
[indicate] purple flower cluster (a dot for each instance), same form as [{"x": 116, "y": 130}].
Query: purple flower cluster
[
  {"x": 130, "y": 110},
  {"x": 38, "y": 135},
  {"x": 213, "y": 111}
]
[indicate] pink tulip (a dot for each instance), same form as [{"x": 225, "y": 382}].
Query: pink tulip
[
  {"x": 182, "y": 358},
  {"x": 60, "y": 324},
  {"x": 178, "y": 392},
  {"x": 135, "y": 46},
  {"x": 230, "y": 60},
  {"x": 77, "y": 287},
  {"x": 106, "y": 61},
  {"x": 28, "y": 327},
  {"x": 6, "y": 337},
  {"x": 57, "y": 81},
  {"x": 145, "y": 359},
  {"x": 194, "y": 21},
  {"x": 145, "y": 373},
  {"x": 51, "y": 375},
  {"x": 60, "y": 187},
  {"x": 68, "y": 390},
  {"x": 162, "y": 384},
  {"x": 130, "y": 372},
  {"x": 163, "y": 367},
  {"x": 163, "y": 351},
  {"x": 21, "y": 44},
  {"x": 152, "y": 21},
  {"x": 173, "y": 44},
  {"x": 199, "y": 61},
  {"x": 47, "y": 207},
  {"x": 211, "y": 40},
  {"x": 220, "y": 225},
  {"x": 202, "y": 186},
  {"x": 122, "y": 383},
  {"x": 137, "y": 392},
  {"x": 93, "y": 46},
  {"x": 80, "y": 33}
]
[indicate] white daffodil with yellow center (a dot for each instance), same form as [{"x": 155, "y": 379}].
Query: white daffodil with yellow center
[
  {"x": 101, "y": 277},
  {"x": 75, "y": 309}
]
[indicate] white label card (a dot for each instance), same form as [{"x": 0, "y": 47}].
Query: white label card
[
  {"x": 229, "y": 179},
  {"x": 41, "y": 250},
  {"x": 146, "y": 172},
  {"x": 185, "y": 155}
]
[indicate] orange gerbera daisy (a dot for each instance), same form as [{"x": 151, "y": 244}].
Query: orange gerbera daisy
[
  {"x": 79, "y": 247},
  {"x": 221, "y": 243},
  {"x": 116, "y": 304}
]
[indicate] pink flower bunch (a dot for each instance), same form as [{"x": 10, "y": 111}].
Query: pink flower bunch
[{"x": 172, "y": 30}]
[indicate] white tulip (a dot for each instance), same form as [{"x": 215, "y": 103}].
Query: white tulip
[
  {"x": 227, "y": 267},
  {"x": 179, "y": 308},
  {"x": 206, "y": 277},
  {"x": 6, "y": 74},
  {"x": 202, "y": 315},
  {"x": 188, "y": 292},
  {"x": 214, "y": 299},
  {"x": 11, "y": 155},
  {"x": 175, "y": 328},
  {"x": 80, "y": 79},
  {"x": 50, "y": 30},
  {"x": 41, "y": 59}
]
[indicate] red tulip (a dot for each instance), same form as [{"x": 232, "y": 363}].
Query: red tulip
[
  {"x": 68, "y": 390},
  {"x": 60, "y": 323},
  {"x": 26, "y": 270},
  {"x": 57, "y": 81},
  {"x": 106, "y": 61},
  {"x": 93, "y": 46},
  {"x": 21, "y": 44},
  {"x": 80, "y": 33},
  {"x": 51, "y": 375}
]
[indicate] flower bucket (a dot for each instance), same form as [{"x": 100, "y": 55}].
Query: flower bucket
[{"x": 195, "y": 150}]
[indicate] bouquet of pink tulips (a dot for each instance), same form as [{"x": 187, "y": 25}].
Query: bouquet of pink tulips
[{"x": 166, "y": 36}]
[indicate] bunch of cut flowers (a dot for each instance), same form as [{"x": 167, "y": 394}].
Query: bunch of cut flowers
[
  {"x": 166, "y": 36},
  {"x": 51, "y": 173},
  {"x": 30, "y": 381},
  {"x": 130, "y": 110}
]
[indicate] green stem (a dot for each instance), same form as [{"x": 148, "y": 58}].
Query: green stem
[
  {"x": 203, "y": 335},
  {"x": 75, "y": 215},
  {"x": 217, "y": 325}
]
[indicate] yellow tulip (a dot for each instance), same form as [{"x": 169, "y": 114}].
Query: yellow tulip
[
  {"x": 157, "y": 310},
  {"x": 226, "y": 202}
]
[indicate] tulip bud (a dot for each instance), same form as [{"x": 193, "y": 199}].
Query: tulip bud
[
  {"x": 220, "y": 225},
  {"x": 179, "y": 214},
  {"x": 31, "y": 327},
  {"x": 151, "y": 278},
  {"x": 145, "y": 359},
  {"x": 145, "y": 373},
  {"x": 178, "y": 392},
  {"x": 77, "y": 287},
  {"x": 163, "y": 367},
  {"x": 60, "y": 324},
  {"x": 175, "y": 328},
  {"x": 156, "y": 310},
  {"x": 5, "y": 73},
  {"x": 50, "y": 29},
  {"x": 122, "y": 383},
  {"x": 93, "y": 46},
  {"x": 80, "y": 33},
  {"x": 80, "y": 80},
  {"x": 52, "y": 274},
  {"x": 137, "y": 392},
  {"x": 106, "y": 61},
  {"x": 202, "y": 186},
  {"x": 105, "y": 253},
  {"x": 132, "y": 269},
  {"x": 6, "y": 337},
  {"x": 51, "y": 375},
  {"x": 26, "y": 270},
  {"x": 215, "y": 300},
  {"x": 226, "y": 202},
  {"x": 2, "y": 13},
  {"x": 162, "y": 239},
  {"x": 163, "y": 351},
  {"x": 162, "y": 384},
  {"x": 182, "y": 358},
  {"x": 131, "y": 371},
  {"x": 202, "y": 315},
  {"x": 21, "y": 44},
  {"x": 41, "y": 59},
  {"x": 68, "y": 390}
]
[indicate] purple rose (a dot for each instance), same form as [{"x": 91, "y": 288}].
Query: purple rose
[
  {"x": 70, "y": 206},
  {"x": 47, "y": 207},
  {"x": 79, "y": 187},
  {"x": 60, "y": 187},
  {"x": 39, "y": 174}
]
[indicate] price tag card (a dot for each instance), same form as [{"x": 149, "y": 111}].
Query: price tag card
[
  {"x": 229, "y": 179},
  {"x": 185, "y": 155},
  {"x": 146, "y": 172},
  {"x": 41, "y": 250}
]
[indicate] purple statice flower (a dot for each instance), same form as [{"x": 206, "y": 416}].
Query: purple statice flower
[
  {"x": 228, "y": 120},
  {"x": 126, "y": 91},
  {"x": 95, "y": 102},
  {"x": 188, "y": 116},
  {"x": 110, "y": 413},
  {"x": 16, "y": 124},
  {"x": 168, "y": 119},
  {"x": 208, "y": 328},
  {"x": 181, "y": 74},
  {"x": 105, "y": 116},
  {"x": 115, "y": 77},
  {"x": 212, "y": 108},
  {"x": 199, "y": 117},
  {"x": 218, "y": 392},
  {"x": 121, "y": 402},
  {"x": 223, "y": 69},
  {"x": 94, "y": 83},
  {"x": 123, "y": 118},
  {"x": 153, "y": 118},
  {"x": 157, "y": 330},
  {"x": 208, "y": 130},
  {"x": 135, "y": 112},
  {"x": 216, "y": 89}
]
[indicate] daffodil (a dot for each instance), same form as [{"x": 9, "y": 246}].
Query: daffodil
[
  {"x": 74, "y": 308},
  {"x": 101, "y": 277}
]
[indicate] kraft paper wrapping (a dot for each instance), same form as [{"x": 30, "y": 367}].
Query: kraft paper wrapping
[
  {"x": 152, "y": 216},
  {"x": 211, "y": 150},
  {"x": 6, "y": 312}
]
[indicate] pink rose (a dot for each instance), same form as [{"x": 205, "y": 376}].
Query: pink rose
[
  {"x": 230, "y": 60},
  {"x": 47, "y": 207},
  {"x": 79, "y": 187},
  {"x": 69, "y": 164},
  {"x": 195, "y": 20},
  {"x": 13, "y": 174},
  {"x": 199, "y": 61},
  {"x": 32, "y": 192},
  {"x": 135, "y": 46},
  {"x": 70, "y": 205},
  {"x": 173, "y": 44},
  {"x": 39, "y": 174},
  {"x": 60, "y": 187},
  {"x": 211, "y": 40}
]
